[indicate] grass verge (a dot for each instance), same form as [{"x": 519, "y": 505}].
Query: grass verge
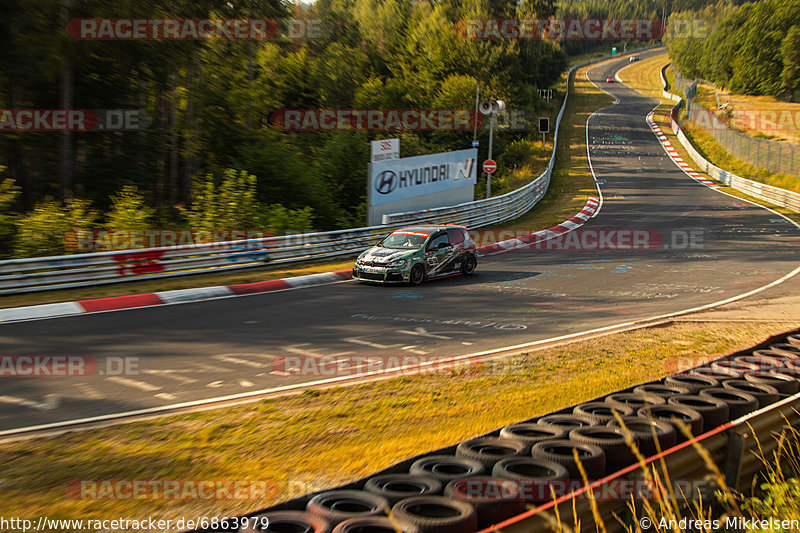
[{"x": 322, "y": 438}]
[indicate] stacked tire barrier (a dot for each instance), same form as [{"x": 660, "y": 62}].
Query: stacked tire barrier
[{"x": 515, "y": 475}]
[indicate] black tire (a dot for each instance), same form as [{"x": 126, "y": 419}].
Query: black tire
[
  {"x": 739, "y": 403},
  {"x": 634, "y": 400},
  {"x": 493, "y": 499},
  {"x": 611, "y": 440},
  {"x": 592, "y": 457},
  {"x": 436, "y": 514},
  {"x": 529, "y": 468},
  {"x": 489, "y": 450},
  {"x": 693, "y": 382},
  {"x": 659, "y": 389},
  {"x": 417, "y": 275},
  {"x": 338, "y": 505},
  {"x": 374, "y": 524},
  {"x": 794, "y": 340},
  {"x": 783, "y": 383},
  {"x": 469, "y": 265},
  {"x": 601, "y": 411},
  {"x": 764, "y": 363},
  {"x": 567, "y": 421},
  {"x": 714, "y": 412},
  {"x": 532, "y": 433},
  {"x": 287, "y": 521},
  {"x": 786, "y": 349},
  {"x": 649, "y": 444},
  {"x": 395, "y": 487},
  {"x": 773, "y": 353},
  {"x": 446, "y": 468},
  {"x": 674, "y": 414},
  {"x": 718, "y": 373},
  {"x": 763, "y": 393},
  {"x": 731, "y": 365}
]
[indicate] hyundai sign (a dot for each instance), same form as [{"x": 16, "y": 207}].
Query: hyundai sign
[{"x": 421, "y": 182}]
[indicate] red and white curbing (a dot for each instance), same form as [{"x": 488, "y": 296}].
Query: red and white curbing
[
  {"x": 133, "y": 301},
  {"x": 677, "y": 158},
  {"x": 167, "y": 297},
  {"x": 525, "y": 241}
]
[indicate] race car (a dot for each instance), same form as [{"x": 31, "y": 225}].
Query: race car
[
  {"x": 412, "y": 255},
  {"x": 609, "y": 80}
]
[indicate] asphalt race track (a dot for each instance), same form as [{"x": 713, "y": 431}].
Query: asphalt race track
[{"x": 708, "y": 247}]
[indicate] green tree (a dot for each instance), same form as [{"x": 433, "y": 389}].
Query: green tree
[
  {"x": 224, "y": 202},
  {"x": 129, "y": 210},
  {"x": 47, "y": 229},
  {"x": 9, "y": 192},
  {"x": 790, "y": 54}
]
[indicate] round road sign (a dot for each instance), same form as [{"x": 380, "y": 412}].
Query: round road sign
[{"x": 489, "y": 166}]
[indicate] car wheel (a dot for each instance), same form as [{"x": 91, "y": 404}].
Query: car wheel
[
  {"x": 417, "y": 275},
  {"x": 469, "y": 265}
]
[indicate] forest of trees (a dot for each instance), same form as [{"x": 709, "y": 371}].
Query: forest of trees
[
  {"x": 752, "y": 48},
  {"x": 209, "y": 102}
]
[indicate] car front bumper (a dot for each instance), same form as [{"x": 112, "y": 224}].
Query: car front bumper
[{"x": 380, "y": 275}]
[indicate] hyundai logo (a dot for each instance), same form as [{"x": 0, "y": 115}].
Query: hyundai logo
[{"x": 386, "y": 182}]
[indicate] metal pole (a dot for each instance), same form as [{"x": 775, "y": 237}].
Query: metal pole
[
  {"x": 489, "y": 174},
  {"x": 477, "y": 97}
]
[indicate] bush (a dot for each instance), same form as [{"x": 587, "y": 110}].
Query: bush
[{"x": 45, "y": 230}]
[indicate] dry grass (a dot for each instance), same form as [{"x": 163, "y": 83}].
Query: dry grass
[{"x": 322, "y": 438}]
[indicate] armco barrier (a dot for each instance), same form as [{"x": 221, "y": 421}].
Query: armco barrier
[
  {"x": 738, "y": 449},
  {"x": 83, "y": 270},
  {"x": 762, "y": 191}
]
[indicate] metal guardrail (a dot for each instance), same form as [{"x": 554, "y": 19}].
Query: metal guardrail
[
  {"x": 762, "y": 191},
  {"x": 91, "y": 269}
]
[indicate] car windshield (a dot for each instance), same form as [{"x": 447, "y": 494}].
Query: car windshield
[{"x": 407, "y": 239}]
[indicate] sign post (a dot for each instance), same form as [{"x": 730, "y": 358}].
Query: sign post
[
  {"x": 385, "y": 150},
  {"x": 544, "y": 128},
  {"x": 491, "y": 108}
]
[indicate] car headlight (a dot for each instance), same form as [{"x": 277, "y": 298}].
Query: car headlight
[{"x": 396, "y": 263}]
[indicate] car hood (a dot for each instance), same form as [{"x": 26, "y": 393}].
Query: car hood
[{"x": 379, "y": 254}]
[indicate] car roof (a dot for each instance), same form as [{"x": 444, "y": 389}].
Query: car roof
[{"x": 430, "y": 227}]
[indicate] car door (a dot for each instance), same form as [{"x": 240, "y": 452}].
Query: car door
[{"x": 438, "y": 254}]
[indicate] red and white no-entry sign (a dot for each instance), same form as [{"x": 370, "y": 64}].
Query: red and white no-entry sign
[{"x": 489, "y": 166}]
